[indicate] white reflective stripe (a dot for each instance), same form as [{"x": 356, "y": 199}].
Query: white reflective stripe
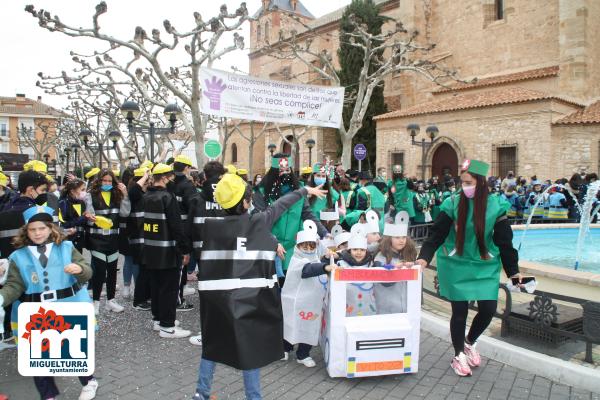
[
  {"x": 453, "y": 252},
  {"x": 105, "y": 257},
  {"x": 152, "y": 215},
  {"x": 9, "y": 233},
  {"x": 159, "y": 243},
  {"x": 123, "y": 225},
  {"x": 179, "y": 198},
  {"x": 200, "y": 220},
  {"x": 229, "y": 284},
  {"x": 138, "y": 214},
  {"x": 238, "y": 255},
  {"x": 136, "y": 241},
  {"x": 80, "y": 229},
  {"x": 104, "y": 231},
  {"x": 184, "y": 216},
  {"x": 197, "y": 245},
  {"x": 107, "y": 211}
]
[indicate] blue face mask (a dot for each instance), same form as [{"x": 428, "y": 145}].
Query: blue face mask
[
  {"x": 320, "y": 181},
  {"x": 106, "y": 188}
]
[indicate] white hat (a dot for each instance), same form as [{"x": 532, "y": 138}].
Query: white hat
[
  {"x": 329, "y": 215},
  {"x": 342, "y": 238},
  {"x": 372, "y": 225},
  {"x": 357, "y": 242},
  {"x": 359, "y": 230},
  {"x": 309, "y": 234},
  {"x": 399, "y": 227},
  {"x": 327, "y": 243}
]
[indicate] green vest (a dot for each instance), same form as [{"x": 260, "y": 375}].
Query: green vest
[
  {"x": 403, "y": 198},
  {"x": 423, "y": 199},
  {"x": 435, "y": 208},
  {"x": 468, "y": 276},
  {"x": 377, "y": 203},
  {"x": 321, "y": 204}
]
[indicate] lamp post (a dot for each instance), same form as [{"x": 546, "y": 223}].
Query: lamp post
[
  {"x": 431, "y": 131},
  {"x": 131, "y": 111},
  {"x": 113, "y": 136},
  {"x": 75, "y": 149},
  {"x": 271, "y": 148},
  {"x": 310, "y": 143}
]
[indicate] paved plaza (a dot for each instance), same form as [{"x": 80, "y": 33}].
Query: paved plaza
[{"x": 133, "y": 363}]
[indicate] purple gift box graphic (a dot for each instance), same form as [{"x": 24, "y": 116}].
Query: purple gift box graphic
[{"x": 213, "y": 91}]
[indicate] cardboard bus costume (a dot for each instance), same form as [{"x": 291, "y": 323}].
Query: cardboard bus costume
[{"x": 241, "y": 317}]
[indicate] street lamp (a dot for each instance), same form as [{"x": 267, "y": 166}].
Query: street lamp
[
  {"x": 85, "y": 135},
  {"x": 310, "y": 143},
  {"x": 271, "y": 148},
  {"x": 75, "y": 149},
  {"x": 68, "y": 153},
  {"x": 431, "y": 131},
  {"x": 114, "y": 137},
  {"x": 131, "y": 111}
]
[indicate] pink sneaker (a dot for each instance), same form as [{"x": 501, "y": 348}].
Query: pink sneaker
[
  {"x": 460, "y": 365},
  {"x": 473, "y": 357}
]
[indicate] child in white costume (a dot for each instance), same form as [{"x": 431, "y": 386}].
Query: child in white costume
[
  {"x": 302, "y": 298},
  {"x": 395, "y": 249}
]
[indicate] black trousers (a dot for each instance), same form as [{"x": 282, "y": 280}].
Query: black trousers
[
  {"x": 104, "y": 272},
  {"x": 458, "y": 322},
  {"x": 302, "y": 352},
  {"x": 164, "y": 288},
  {"x": 141, "y": 292},
  {"x": 182, "y": 283},
  {"x": 6, "y": 322},
  {"x": 46, "y": 385}
]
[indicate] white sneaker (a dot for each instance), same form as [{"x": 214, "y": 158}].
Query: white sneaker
[
  {"x": 196, "y": 340},
  {"x": 96, "y": 307},
  {"x": 285, "y": 357},
  {"x": 126, "y": 292},
  {"x": 156, "y": 325},
  {"x": 173, "y": 333},
  {"x": 113, "y": 306},
  {"x": 88, "y": 392},
  {"x": 307, "y": 362},
  {"x": 188, "y": 291}
]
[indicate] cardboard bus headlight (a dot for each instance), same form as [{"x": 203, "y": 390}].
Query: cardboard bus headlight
[{"x": 383, "y": 343}]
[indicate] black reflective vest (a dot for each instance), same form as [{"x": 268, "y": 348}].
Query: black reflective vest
[
  {"x": 240, "y": 305},
  {"x": 135, "y": 222},
  {"x": 10, "y": 223},
  {"x": 200, "y": 209},
  {"x": 70, "y": 212},
  {"x": 158, "y": 248},
  {"x": 105, "y": 240}
]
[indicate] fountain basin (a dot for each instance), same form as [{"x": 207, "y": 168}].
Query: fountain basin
[{"x": 548, "y": 251}]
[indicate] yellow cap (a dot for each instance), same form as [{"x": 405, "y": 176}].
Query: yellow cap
[
  {"x": 140, "y": 171},
  {"x": 242, "y": 172},
  {"x": 306, "y": 170},
  {"x": 103, "y": 222},
  {"x": 230, "y": 190},
  {"x": 231, "y": 169},
  {"x": 50, "y": 179},
  {"x": 183, "y": 159},
  {"x": 1, "y": 168},
  {"x": 3, "y": 179},
  {"x": 92, "y": 172},
  {"x": 147, "y": 164},
  {"x": 35, "y": 165},
  {"x": 161, "y": 168},
  {"x": 116, "y": 172}
]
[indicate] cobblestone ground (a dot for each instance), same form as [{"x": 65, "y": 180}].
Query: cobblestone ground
[{"x": 133, "y": 363}]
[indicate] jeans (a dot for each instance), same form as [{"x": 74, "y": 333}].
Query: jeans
[
  {"x": 130, "y": 269},
  {"x": 205, "y": 377}
]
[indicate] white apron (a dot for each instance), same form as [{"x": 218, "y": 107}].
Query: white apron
[{"x": 302, "y": 303}]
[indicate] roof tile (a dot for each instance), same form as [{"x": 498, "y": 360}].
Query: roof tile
[
  {"x": 589, "y": 115},
  {"x": 476, "y": 100}
]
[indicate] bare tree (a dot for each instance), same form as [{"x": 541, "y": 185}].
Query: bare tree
[
  {"x": 394, "y": 51},
  {"x": 203, "y": 47},
  {"x": 253, "y": 134}
]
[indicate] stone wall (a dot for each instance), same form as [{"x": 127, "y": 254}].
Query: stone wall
[
  {"x": 574, "y": 147},
  {"x": 475, "y": 133}
]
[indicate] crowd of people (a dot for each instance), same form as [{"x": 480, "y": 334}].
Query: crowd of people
[{"x": 250, "y": 245}]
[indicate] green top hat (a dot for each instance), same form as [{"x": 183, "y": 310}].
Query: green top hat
[
  {"x": 317, "y": 168},
  {"x": 475, "y": 167}
]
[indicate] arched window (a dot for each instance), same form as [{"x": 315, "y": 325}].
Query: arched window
[
  {"x": 266, "y": 31},
  {"x": 233, "y": 153},
  {"x": 258, "y": 32}
]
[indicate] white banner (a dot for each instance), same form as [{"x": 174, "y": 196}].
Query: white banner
[{"x": 246, "y": 97}]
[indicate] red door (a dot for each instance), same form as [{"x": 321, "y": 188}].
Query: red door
[{"x": 444, "y": 161}]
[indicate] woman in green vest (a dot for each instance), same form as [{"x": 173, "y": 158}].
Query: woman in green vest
[
  {"x": 319, "y": 178},
  {"x": 401, "y": 194},
  {"x": 278, "y": 181},
  {"x": 473, "y": 240},
  {"x": 422, "y": 205}
]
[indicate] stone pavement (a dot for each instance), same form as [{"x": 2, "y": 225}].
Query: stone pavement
[{"x": 133, "y": 363}]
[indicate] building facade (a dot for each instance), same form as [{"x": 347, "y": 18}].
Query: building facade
[{"x": 532, "y": 109}]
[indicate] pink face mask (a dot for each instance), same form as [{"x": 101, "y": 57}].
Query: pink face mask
[{"x": 469, "y": 191}]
